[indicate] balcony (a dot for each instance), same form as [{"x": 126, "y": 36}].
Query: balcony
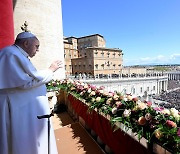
[{"x": 94, "y": 110}]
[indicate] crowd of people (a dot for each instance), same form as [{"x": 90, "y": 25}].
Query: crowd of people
[
  {"x": 173, "y": 84},
  {"x": 170, "y": 98}
]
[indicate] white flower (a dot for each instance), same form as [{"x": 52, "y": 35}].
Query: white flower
[
  {"x": 82, "y": 93},
  {"x": 166, "y": 111},
  {"x": 93, "y": 99},
  {"x": 175, "y": 113},
  {"x": 101, "y": 91},
  {"x": 89, "y": 90},
  {"x": 109, "y": 100},
  {"x": 141, "y": 105},
  {"x": 86, "y": 86},
  {"x": 115, "y": 97},
  {"x": 82, "y": 84},
  {"x": 125, "y": 99},
  {"x": 92, "y": 93},
  {"x": 98, "y": 99},
  {"x": 110, "y": 94},
  {"x": 104, "y": 107},
  {"x": 114, "y": 110},
  {"x": 106, "y": 93},
  {"x": 127, "y": 113}
]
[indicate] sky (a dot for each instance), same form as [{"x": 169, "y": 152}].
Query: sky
[{"x": 147, "y": 31}]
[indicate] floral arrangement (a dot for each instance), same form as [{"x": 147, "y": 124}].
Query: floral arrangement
[{"x": 156, "y": 124}]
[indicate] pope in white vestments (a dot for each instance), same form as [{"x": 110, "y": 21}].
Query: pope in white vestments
[{"x": 22, "y": 99}]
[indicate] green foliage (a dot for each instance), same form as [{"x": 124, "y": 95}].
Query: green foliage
[{"x": 161, "y": 68}]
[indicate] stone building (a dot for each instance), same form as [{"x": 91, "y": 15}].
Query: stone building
[
  {"x": 70, "y": 52},
  {"x": 88, "y": 55}
]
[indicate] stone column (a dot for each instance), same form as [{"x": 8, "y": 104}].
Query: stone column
[
  {"x": 45, "y": 21},
  {"x": 160, "y": 87},
  {"x": 166, "y": 85}
]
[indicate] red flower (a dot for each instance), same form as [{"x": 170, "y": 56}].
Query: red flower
[
  {"x": 171, "y": 124},
  {"x": 135, "y": 99}
]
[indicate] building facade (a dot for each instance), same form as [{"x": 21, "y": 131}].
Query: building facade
[
  {"x": 139, "y": 86},
  {"x": 89, "y": 56},
  {"x": 70, "y": 52}
]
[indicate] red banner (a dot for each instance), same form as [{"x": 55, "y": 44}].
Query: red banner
[{"x": 6, "y": 23}]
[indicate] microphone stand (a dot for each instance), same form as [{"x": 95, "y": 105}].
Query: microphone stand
[{"x": 47, "y": 116}]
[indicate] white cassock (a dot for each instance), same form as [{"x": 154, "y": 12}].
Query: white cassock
[{"x": 22, "y": 99}]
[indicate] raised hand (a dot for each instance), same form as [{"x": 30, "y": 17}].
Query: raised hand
[{"x": 56, "y": 65}]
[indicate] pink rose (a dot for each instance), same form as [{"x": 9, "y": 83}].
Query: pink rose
[
  {"x": 118, "y": 104},
  {"x": 171, "y": 124},
  {"x": 149, "y": 103},
  {"x": 93, "y": 87},
  {"x": 158, "y": 108},
  {"x": 101, "y": 87}
]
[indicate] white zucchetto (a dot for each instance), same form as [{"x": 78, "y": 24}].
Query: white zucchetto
[{"x": 25, "y": 35}]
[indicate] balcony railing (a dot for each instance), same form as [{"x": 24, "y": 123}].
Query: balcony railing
[{"x": 137, "y": 119}]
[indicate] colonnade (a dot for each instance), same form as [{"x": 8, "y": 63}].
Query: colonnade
[
  {"x": 162, "y": 86},
  {"x": 138, "y": 86},
  {"x": 174, "y": 75}
]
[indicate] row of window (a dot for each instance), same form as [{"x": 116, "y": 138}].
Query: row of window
[
  {"x": 108, "y": 65},
  {"x": 107, "y": 55},
  {"x": 96, "y": 66}
]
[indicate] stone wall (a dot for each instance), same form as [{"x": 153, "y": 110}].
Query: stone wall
[{"x": 45, "y": 20}]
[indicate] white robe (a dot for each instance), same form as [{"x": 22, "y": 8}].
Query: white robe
[{"x": 22, "y": 99}]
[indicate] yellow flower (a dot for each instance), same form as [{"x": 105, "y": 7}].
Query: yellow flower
[
  {"x": 142, "y": 121},
  {"x": 158, "y": 133}
]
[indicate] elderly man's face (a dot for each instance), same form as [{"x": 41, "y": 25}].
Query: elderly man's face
[{"x": 32, "y": 47}]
